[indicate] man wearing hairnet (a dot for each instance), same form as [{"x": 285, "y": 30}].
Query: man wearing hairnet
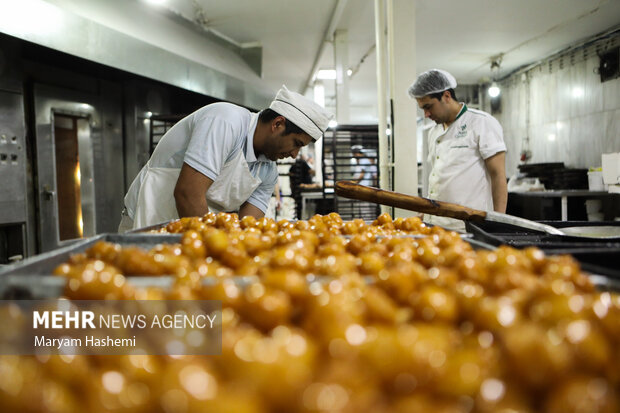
[
  {"x": 466, "y": 150},
  {"x": 221, "y": 158},
  {"x": 363, "y": 169}
]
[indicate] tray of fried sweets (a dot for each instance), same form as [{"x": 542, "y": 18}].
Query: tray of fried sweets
[{"x": 194, "y": 253}]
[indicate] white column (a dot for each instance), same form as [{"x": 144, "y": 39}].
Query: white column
[
  {"x": 401, "y": 40},
  {"x": 341, "y": 57},
  {"x": 380, "y": 40},
  {"x": 319, "y": 98}
]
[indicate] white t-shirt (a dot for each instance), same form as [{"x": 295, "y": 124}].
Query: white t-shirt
[
  {"x": 205, "y": 140},
  {"x": 364, "y": 165},
  {"x": 456, "y": 156}
]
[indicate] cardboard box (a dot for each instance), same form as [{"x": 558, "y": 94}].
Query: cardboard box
[
  {"x": 614, "y": 189},
  {"x": 611, "y": 168}
]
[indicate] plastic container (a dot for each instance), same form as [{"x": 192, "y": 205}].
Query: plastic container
[
  {"x": 596, "y": 216},
  {"x": 593, "y": 206},
  {"x": 595, "y": 181}
]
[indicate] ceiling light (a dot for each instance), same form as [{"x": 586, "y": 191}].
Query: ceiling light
[
  {"x": 332, "y": 124},
  {"x": 551, "y": 137},
  {"x": 30, "y": 17},
  {"x": 156, "y": 2},
  {"x": 494, "y": 90},
  {"x": 349, "y": 72},
  {"x": 577, "y": 92},
  {"x": 326, "y": 74},
  {"x": 319, "y": 94}
]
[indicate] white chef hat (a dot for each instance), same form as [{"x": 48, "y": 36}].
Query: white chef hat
[
  {"x": 303, "y": 112},
  {"x": 432, "y": 81}
]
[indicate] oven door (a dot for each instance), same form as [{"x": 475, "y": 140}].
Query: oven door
[{"x": 65, "y": 128}]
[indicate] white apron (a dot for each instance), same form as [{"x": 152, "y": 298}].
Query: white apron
[{"x": 227, "y": 193}]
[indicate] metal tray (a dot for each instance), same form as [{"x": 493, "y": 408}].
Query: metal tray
[
  {"x": 36, "y": 287},
  {"x": 157, "y": 227},
  {"x": 599, "y": 256},
  {"x": 32, "y": 277},
  {"x": 153, "y": 227},
  {"x": 45, "y": 263}
]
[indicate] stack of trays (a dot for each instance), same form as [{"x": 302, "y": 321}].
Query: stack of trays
[{"x": 555, "y": 175}]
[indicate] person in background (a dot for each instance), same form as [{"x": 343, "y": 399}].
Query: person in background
[
  {"x": 365, "y": 173},
  {"x": 466, "y": 150},
  {"x": 363, "y": 168},
  {"x": 221, "y": 158},
  {"x": 300, "y": 175},
  {"x": 374, "y": 173}
]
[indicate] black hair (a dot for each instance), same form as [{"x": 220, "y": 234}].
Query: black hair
[
  {"x": 439, "y": 95},
  {"x": 267, "y": 115}
]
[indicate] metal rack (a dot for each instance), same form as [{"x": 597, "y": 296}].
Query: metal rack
[
  {"x": 339, "y": 164},
  {"x": 159, "y": 125}
]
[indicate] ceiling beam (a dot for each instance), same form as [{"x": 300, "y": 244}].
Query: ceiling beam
[{"x": 328, "y": 37}]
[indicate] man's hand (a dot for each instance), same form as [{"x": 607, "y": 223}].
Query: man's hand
[
  {"x": 496, "y": 165},
  {"x": 190, "y": 192}
]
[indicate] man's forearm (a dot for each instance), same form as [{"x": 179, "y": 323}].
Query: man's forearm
[
  {"x": 189, "y": 192},
  {"x": 191, "y": 207},
  {"x": 496, "y": 166},
  {"x": 249, "y": 209},
  {"x": 500, "y": 193}
]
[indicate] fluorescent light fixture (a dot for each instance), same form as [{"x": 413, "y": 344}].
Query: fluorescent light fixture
[
  {"x": 494, "y": 90},
  {"x": 577, "y": 92},
  {"x": 319, "y": 94},
  {"x": 326, "y": 74},
  {"x": 25, "y": 17},
  {"x": 332, "y": 123}
]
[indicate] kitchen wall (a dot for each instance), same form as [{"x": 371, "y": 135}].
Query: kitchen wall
[
  {"x": 35, "y": 83},
  {"x": 563, "y": 108}
]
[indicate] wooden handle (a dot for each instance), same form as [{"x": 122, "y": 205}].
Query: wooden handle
[{"x": 349, "y": 189}]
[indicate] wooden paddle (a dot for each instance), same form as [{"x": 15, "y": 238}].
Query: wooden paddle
[{"x": 349, "y": 189}]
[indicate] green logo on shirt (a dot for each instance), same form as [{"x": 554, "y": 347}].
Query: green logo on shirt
[{"x": 462, "y": 133}]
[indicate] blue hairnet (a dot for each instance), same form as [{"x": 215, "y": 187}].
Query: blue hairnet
[{"x": 432, "y": 81}]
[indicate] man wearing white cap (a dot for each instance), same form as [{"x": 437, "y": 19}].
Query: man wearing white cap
[
  {"x": 221, "y": 158},
  {"x": 466, "y": 149}
]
